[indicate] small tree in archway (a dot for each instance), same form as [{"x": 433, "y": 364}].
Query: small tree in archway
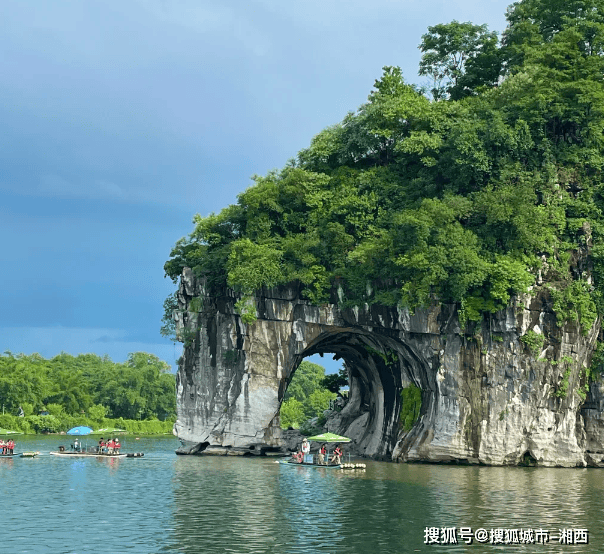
[{"x": 336, "y": 381}]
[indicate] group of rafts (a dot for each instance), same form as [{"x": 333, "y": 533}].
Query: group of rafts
[
  {"x": 322, "y": 459},
  {"x": 77, "y": 449},
  {"x": 7, "y": 446}
]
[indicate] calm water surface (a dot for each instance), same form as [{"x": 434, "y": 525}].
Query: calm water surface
[{"x": 166, "y": 503}]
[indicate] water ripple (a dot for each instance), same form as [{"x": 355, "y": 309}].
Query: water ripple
[{"x": 168, "y": 504}]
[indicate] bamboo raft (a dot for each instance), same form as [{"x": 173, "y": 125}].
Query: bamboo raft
[
  {"x": 302, "y": 464},
  {"x": 66, "y": 454}
]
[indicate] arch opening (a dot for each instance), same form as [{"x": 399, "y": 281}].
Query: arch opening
[
  {"x": 379, "y": 373},
  {"x": 527, "y": 460}
]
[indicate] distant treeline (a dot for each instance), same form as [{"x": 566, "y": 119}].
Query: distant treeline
[
  {"x": 34, "y": 424},
  {"x": 40, "y": 395}
]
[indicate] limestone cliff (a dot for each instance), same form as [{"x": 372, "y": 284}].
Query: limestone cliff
[{"x": 504, "y": 392}]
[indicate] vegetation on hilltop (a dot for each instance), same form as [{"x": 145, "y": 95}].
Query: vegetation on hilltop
[
  {"x": 86, "y": 390},
  {"x": 464, "y": 193}
]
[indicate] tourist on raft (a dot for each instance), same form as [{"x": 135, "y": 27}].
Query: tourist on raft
[
  {"x": 102, "y": 446},
  {"x": 337, "y": 455},
  {"x": 298, "y": 457},
  {"x": 322, "y": 454},
  {"x": 305, "y": 449},
  {"x": 116, "y": 446},
  {"x": 7, "y": 447}
]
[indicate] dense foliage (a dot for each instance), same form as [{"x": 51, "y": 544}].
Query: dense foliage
[
  {"x": 461, "y": 194},
  {"x": 411, "y": 405},
  {"x": 61, "y": 423},
  {"x": 87, "y": 386},
  {"x": 336, "y": 381},
  {"x": 306, "y": 397}
]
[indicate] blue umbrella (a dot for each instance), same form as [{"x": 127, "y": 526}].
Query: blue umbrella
[{"x": 81, "y": 430}]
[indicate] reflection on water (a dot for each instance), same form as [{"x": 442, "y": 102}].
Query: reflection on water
[{"x": 165, "y": 503}]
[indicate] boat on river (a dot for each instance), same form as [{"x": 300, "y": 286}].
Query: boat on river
[
  {"x": 20, "y": 455},
  {"x": 75, "y": 454},
  {"x": 290, "y": 462}
]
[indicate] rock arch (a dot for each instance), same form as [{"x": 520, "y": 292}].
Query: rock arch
[{"x": 484, "y": 396}]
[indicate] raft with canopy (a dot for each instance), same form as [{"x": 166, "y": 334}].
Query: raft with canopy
[{"x": 326, "y": 438}]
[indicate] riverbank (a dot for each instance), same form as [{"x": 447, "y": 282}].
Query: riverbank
[{"x": 52, "y": 424}]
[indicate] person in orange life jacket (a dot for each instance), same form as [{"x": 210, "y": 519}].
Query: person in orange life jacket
[
  {"x": 3, "y": 446},
  {"x": 116, "y": 446},
  {"x": 322, "y": 454},
  {"x": 110, "y": 446},
  {"x": 10, "y": 446},
  {"x": 337, "y": 454},
  {"x": 101, "y": 445}
]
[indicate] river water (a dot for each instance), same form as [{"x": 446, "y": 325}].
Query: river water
[{"x": 182, "y": 504}]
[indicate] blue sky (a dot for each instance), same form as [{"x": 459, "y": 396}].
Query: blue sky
[{"x": 121, "y": 120}]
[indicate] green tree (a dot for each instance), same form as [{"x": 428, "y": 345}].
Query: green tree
[
  {"x": 318, "y": 402},
  {"x": 335, "y": 381},
  {"x": 97, "y": 412},
  {"x": 168, "y": 328},
  {"x": 307, "y": 378},
  {"x": 449, "y": 49},
  {"x": 306, "y": 397},
  {"x": 68, "y": 385},
  {"x": 292, "y": 413},
  {"x": 535, "y": 23}
]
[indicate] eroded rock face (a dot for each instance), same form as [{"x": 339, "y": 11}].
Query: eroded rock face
[{"x": 486, "y": 396}]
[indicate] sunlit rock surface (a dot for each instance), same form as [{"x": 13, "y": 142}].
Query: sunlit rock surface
[{"x": 486, "y": 396}]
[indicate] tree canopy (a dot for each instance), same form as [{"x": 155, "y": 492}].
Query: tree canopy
[
  {"x": 459, "y": 57},
  {"x": 141, "y": 388},
  {"x": 464, "y": 196},
  {"x": 306, "y": 396}
]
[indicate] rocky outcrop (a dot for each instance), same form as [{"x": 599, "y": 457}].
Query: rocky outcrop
[{"x": 507, "y": 391}]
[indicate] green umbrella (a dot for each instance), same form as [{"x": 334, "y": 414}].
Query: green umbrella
[
  {"x": 329, "y": 437},
  {"x": 7, "y": 432}
]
